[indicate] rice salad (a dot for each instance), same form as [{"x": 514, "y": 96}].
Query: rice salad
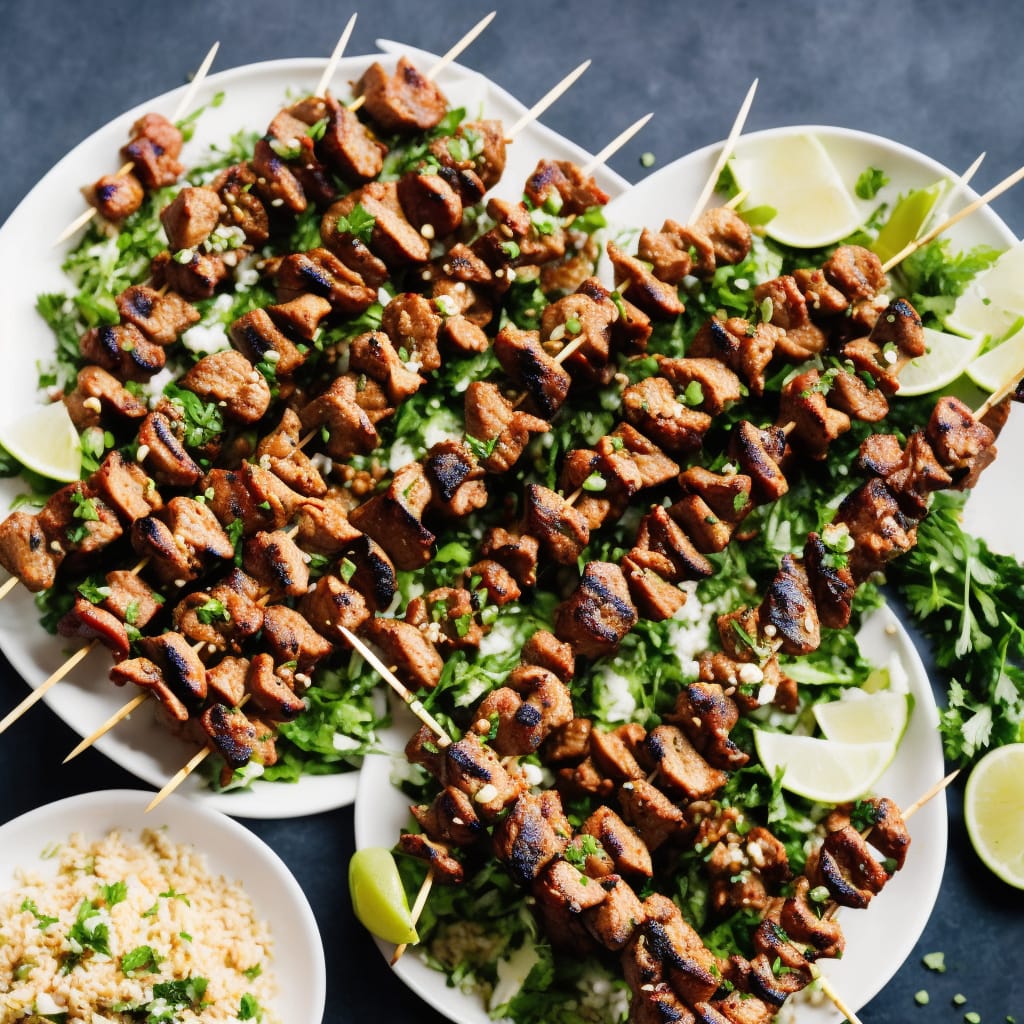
[{"x": 122, "y": 931}]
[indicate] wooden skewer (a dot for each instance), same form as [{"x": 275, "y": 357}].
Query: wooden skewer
[
  {"x": 934, "y": 791},
  {"x": 122, "y": 713},
  {"x": 1007, "y": 388},
  {"x": 332, "y": 64},
  {"x": 993, "y": 193},
  {"x": 178, "y": 778},
  {"x": 601, "y": 158},
  {"x": 444, "y": 61},
  {"x": 8, "y": 586},
  {"x": 546, "y": 100},
  {"x": 461, "y": 45},
  {"x": 417, "y": 909},
  {"x": 415, "y": 705},
  {"x": 730, "y": 144},
  {"x": 183, "y": 104},
  {"x": 44, "y": 687},
  {"x": 834, "y": 996}
]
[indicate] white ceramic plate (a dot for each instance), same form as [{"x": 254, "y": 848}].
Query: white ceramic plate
[
  {"x": 670, "y": 192},
  {"x": 29, "y": 264},
  {"x": 230, "y": 850},
  {"x": 881, "y": 939},
  {"x": 878, "y": 940}
]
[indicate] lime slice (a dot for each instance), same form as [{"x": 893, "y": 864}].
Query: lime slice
[
  {"x": 994, "y": 812},
  {"x": 907, "y": 219},
  {"x": 993, "y": 369},
  {"x": 823, "y": 770},
  {"x": 865, "y": 718},
  {"x": 795, "y": 176},
  {"x": 45, "y": 441},
  {"x": 946, "y": 357},
  {"x": 378, "y": 896},
  {"x": 994, "y": 300}
]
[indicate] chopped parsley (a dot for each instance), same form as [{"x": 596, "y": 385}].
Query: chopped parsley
[
  {"x": 359, "y": 223},
  {"x": 870, "y": 182}
]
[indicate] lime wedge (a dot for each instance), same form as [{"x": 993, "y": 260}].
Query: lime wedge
[
  {"x": 45, "y": 441},
  {"x": 946, "y": 357},
  {"x": 994, "y": 300},
  {"x": 378, "y": 896},
  {"x": 795, "y": 176},
  {"x": 865, "y": 718},
  {"x": 994, "y": 812},
  {"x": 907, "y": 219},
  {"x": 826, "y": 771},
  {"x": 993, "y": 369}
]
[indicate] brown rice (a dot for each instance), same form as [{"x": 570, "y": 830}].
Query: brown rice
[{"x": 200, "y": 925}]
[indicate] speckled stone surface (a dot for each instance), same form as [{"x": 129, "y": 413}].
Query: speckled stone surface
[{"x": 942, "y": 77}]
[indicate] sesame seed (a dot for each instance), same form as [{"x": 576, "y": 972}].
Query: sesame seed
[
  {"x": 427, "y": 231},
  {"x": 179, "y": 583},
  {"x": 143, "y": 451},
  {"x": 277, "y": 202},
  {"x": 485, "y": 794},
  {"x": 93, "y": 404}
]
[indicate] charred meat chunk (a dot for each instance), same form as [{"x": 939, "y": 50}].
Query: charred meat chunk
[
  {"x": 789, "y": 607},
  {"x": 455, "y": 479},
  {"x": 831, "y": 582},
  {"x": 404, "y": 102},
  {"x": 599, "y": 613},
  {"x": 181, "y": 540},
  {"x": 229, "y": 380},
  {"x": 412, "y": 323},
  {"x": 415, "y": 658},
  {"x": 269, "y": 692},
  {"x": 758, "y": 454},
  {"x": 560, "y": 528},
  {"x": 347, "y": 426},
  {"x": 161, "y": 318},
  {"x": 279, "y": 452},
  {"x": 680, "y": 766},
  {"x": 525, "y": 361},
  {"x": 191, "y": 217},
  {"x": 331, "y": 605},
  {"x": 195, "y": 278},
  {"x": 707, "y": 716},
  {"x": 291, "y": 638},
  {"x": 320, "y": 272},
  {"x": 258, "y": 340},
  {"x": 91, "y": 622},
  {"x": 349, "y": 146},
  {"x": 657, "y": 299},
  {"x": 373, "y": 354},
  {"x": 394, "y": 518},
  {"x": 492, "y": 419},
  {"x": 374, "y": 575},
  {"x": 650, "y": 812},
  {"x": 162, "y": 453},
  {"x": 277, "y": 563},
  {"x": 878, "y": 526},
  {"x": 123, "y": 350},
  {"x": 153, "y": 151},
  {"x": 100, "y": 398},
  {"x": 709, "y": 380},
  {"x": 847, "y": 869},
  {"x": 516, "y": 552},
  {"x": 560, "y": 186},
  {"x": 856, "y": 272},
  {"x": 116, "y": 196},
  {"x": 962, "y": 444},
  {"x": 124, "y": 486},
  {"x": 652, "y": 407},
  {"x": 535, "y": 831},
  {"x": 745, "y": 348}
]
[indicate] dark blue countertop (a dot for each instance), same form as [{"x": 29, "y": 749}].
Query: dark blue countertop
[{"x": 945, "y": 78}]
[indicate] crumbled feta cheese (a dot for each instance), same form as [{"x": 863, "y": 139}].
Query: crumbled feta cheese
[
  {"x": 615, "y": 696},
  {"x": 206, "y": 338}
]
